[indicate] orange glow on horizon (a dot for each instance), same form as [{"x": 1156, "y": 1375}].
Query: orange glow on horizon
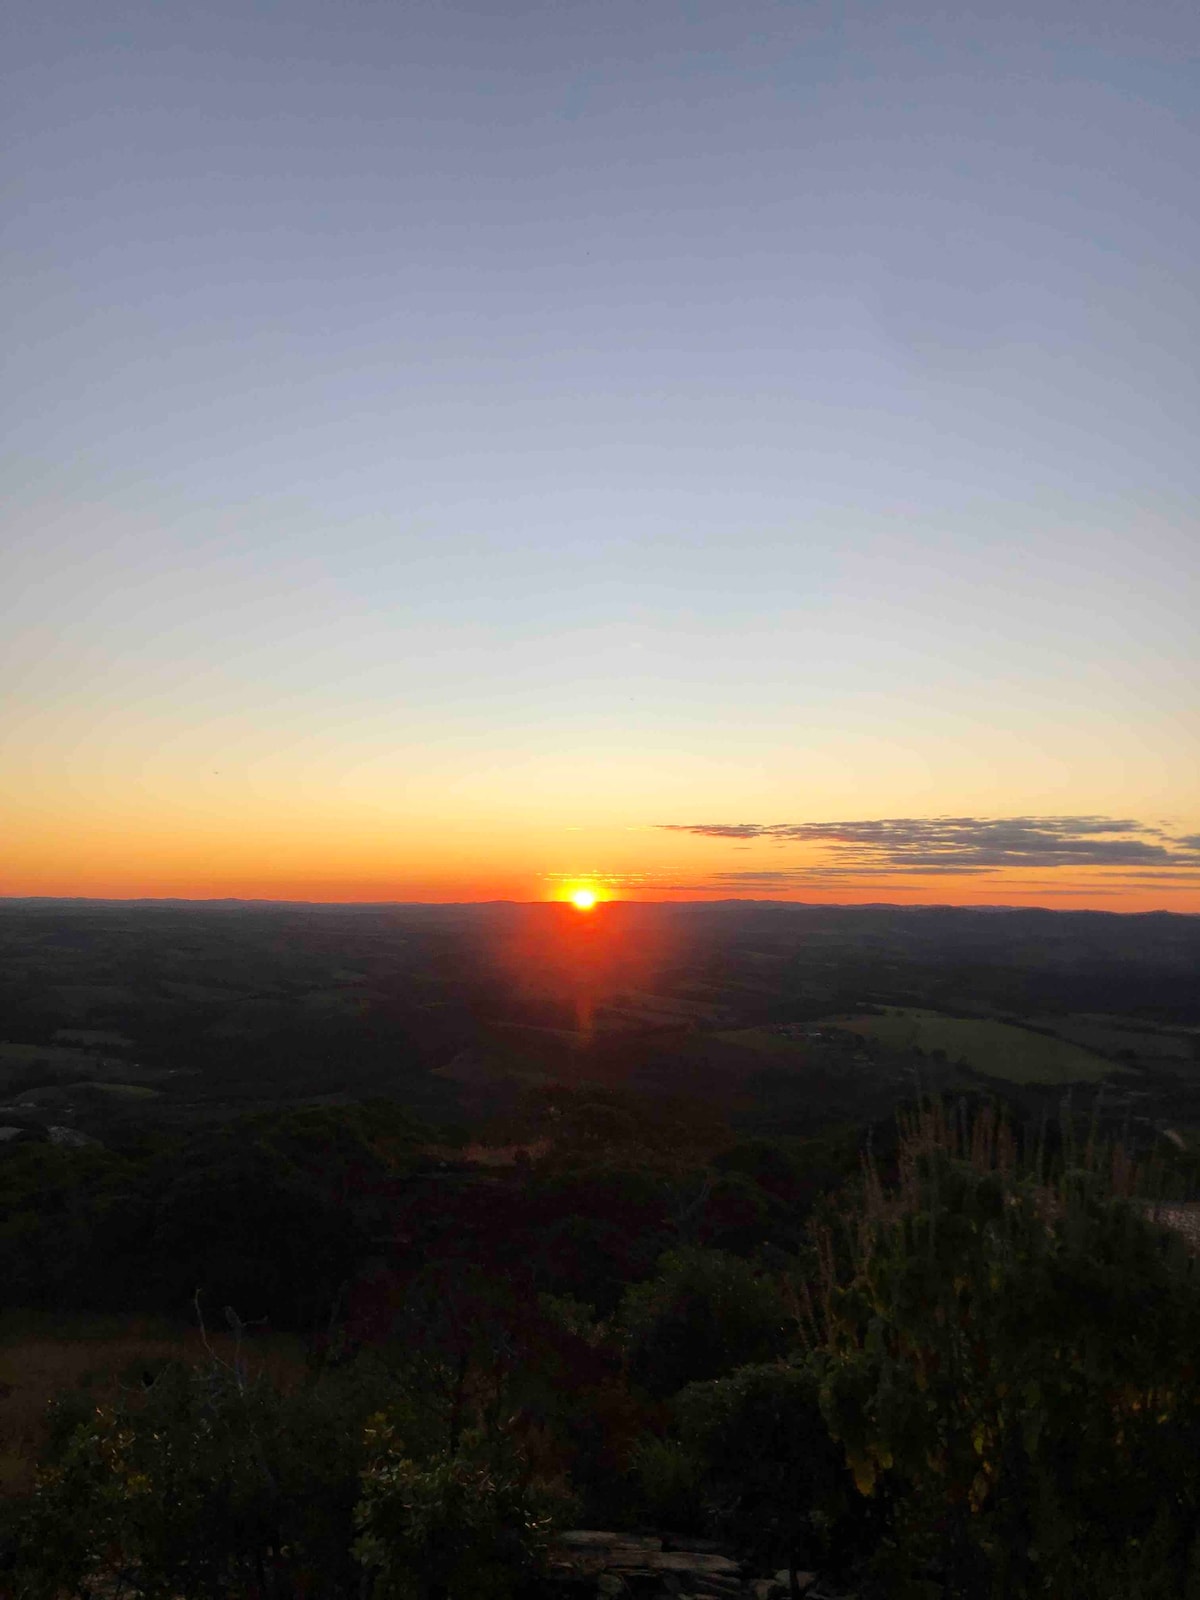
[
  {"x": 156, "y": 850},
  {"x": 464, "y": 883}
]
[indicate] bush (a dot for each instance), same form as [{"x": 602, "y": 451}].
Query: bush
[
  {"x": 465, "y": 1524},
  {"x": 1010, "y": 1366},
  {"x": 670, "y": 1480},
  {"x": 212, "y": 1484}
]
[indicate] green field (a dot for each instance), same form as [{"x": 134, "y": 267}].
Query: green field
[
  {"x": 92, "y": 1038},
  {"x": 60, "y": 1067},
  {"x": 763, "y": 1041},
  {"x": 59, "y": 1094},
  {"x": 1111, "y": 1035},
  {"x": 49, "y": 1055},
  {"x": 124, "y": 1091},
  {"x": 997, "y": 1049}
]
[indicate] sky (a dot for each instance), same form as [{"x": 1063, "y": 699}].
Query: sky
[{"x": 466, "y": 451}]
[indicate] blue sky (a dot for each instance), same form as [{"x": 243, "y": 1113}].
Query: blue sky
[{"x": 790, "y": 408}]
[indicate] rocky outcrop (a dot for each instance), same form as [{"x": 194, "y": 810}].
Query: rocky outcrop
[{"x": 588, "y": 1563}]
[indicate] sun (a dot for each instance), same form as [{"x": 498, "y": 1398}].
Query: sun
[{"x": 583, "y": 899}]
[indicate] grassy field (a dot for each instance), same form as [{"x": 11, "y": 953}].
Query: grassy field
[
  {"x": 766, "y": 1043},
  {"x": 85, "y": 1089},
  {"x": 997, "y": 1049},
  {"x": 60, "y": 1068},
  {"x": 93, "y": 1038},
  {"x": 49, "y": 1055},
  {"x": 1109, "y": 1035},
  {"x": 124, "y": 1091}
]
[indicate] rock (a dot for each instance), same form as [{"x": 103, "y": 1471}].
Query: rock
[
  {"x": 716, "y": 1584},
  {"x": 631, "y": 1566},
  {"x": 804, "y": 1580},
  {"x": 694, "y": 1563},
  {"x": 701, "y": 1547},
  {"x": 595, "y": 1539}
]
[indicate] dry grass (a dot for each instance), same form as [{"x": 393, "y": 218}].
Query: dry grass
[{"x": 41, "y": 1357}]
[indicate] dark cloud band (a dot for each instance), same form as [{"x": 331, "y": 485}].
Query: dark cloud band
[{"x": 950, "y": 846}]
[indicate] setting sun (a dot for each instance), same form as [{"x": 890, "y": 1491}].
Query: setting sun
[{"x": 583, "y": 899}]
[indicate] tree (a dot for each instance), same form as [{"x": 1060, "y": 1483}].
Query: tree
[
  {"x": 755, "y": 1453},
  {"x": 703, "y": 1315}
]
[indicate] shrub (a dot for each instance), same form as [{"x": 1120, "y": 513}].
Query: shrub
[
  {"x": 670, "y": 1481},
  {"x": 464, "y": 1523},
  {"x": 1010, "y": 1366},
  {"x": 213, "y": 1483}
]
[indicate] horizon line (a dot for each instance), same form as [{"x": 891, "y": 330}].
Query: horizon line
[{"x": 233, "y": 902}]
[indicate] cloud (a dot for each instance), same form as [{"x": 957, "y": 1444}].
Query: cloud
[{"x": 962, "y": 846}]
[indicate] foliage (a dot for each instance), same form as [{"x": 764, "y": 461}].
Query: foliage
[
  {"x": 468, "y": 1521},
  {"x": 52, "y": 1201},
  {"x": 595, "y": 1125},
  {"x": 1010, "y": 1368},
  {"x": 669, "y": 1483},
  {"x": 750, "y": 1458},
  {"x": 592, "y": 1232},
  {"x": 211, "y": 1484},
  {"x": 974, "y": 1372},
  {"x": 705, "y": 1313},
  {"x": 269, "y": 1213},
  {"x": 771, "y": 1477}
]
